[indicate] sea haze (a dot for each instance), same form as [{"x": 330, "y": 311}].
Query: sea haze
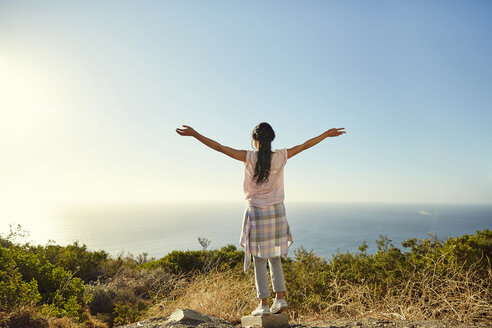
[{"x": 324, "y": 228}]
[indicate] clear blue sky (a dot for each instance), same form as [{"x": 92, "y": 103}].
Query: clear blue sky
[{"x": 93, "y": 92}]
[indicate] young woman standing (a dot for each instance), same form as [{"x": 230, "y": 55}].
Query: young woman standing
[{"x": 265, "y": 234}]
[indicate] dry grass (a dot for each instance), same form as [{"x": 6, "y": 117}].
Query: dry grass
[
  {"x": 458, "y": 294},
  {"x": 24, "y": 316},
  {"x": 228, "y": 295},
  {"x": 463, "y": 294}
]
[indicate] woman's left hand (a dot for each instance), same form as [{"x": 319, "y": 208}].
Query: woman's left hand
[
  {"x": 187, "y": 131},
  {"x": 335, "y": 132}
]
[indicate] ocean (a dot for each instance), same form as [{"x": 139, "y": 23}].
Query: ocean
[{"x": 323, "y": 228}]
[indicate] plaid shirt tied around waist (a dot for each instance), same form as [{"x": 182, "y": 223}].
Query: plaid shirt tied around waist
[{"x": 265, "y": 233}]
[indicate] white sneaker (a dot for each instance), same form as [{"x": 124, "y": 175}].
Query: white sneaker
[
  {"x": 278, "y": 305},
  {"x": 261, "y": 310}
]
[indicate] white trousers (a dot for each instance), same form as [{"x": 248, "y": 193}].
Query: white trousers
[{"x": 261, "y": 276}]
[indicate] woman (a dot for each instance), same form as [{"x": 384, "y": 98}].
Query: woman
[{"x": 266, "y": 233}]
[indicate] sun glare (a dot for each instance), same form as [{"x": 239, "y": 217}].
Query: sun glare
[{"x": 30, "y": 97}]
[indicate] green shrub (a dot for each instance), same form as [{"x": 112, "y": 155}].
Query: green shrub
[
  {"x": 183, "y": 262},
  {"x": 466, "y": 249},
  {"x": 357, "y": 268},
  {"x": 124, "y": 314},
  {"x": 135, "y": 287},
  {"x": 314, "y": 283},
  {"x": 84, "y": 264},
  {"x": 308, "y": 280},
  {"x": 14, "y": 290},
  {"x": 33, "y": 280}
]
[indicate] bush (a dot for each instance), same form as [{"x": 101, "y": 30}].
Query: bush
[
  {"x": 14, "y": 291},
  {"x": 434, "y": 280},
  {"x": 467, "y": 250},
  {"x": 183, "y": 262},
  {"x": 124, "y": 314},
  {"x": 131, "y": 287},
  {"x": 308, "y": 281},
  {"x": 83, "y": 263},
  {"x": 34, "y": 280}
]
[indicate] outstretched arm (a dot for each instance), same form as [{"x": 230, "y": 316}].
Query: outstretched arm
[
  {"x": 240, "y": 155},
  {"x": 311, "y": 142}
]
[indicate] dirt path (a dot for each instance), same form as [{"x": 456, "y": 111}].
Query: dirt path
[{"x": 366, "y": 323}]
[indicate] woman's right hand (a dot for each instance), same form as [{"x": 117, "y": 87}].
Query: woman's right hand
[{"x": 187, "y": 131}]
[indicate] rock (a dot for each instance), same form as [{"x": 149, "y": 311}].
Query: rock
[
  {"x": 182, "y": 318},
  {"x": 187, "y": 315},
  {"x": 155, "y": 322},
  {"x": 266, "y": 321}
]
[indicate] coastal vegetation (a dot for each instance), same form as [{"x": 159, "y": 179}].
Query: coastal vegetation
[{"x": 71, "y": 286}]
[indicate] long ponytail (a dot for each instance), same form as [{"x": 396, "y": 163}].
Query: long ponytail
[{"x": 264, "y": 134}]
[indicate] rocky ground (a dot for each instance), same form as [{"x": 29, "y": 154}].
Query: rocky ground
[
  {"x": 368, "y": 323},
  {"x": 192, "y": 319}
]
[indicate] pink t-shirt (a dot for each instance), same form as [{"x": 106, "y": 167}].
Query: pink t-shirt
[{"x": 272, "y": 191}]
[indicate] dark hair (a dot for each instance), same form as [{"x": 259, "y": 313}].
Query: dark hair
[{"x": 263, "y": 133}]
